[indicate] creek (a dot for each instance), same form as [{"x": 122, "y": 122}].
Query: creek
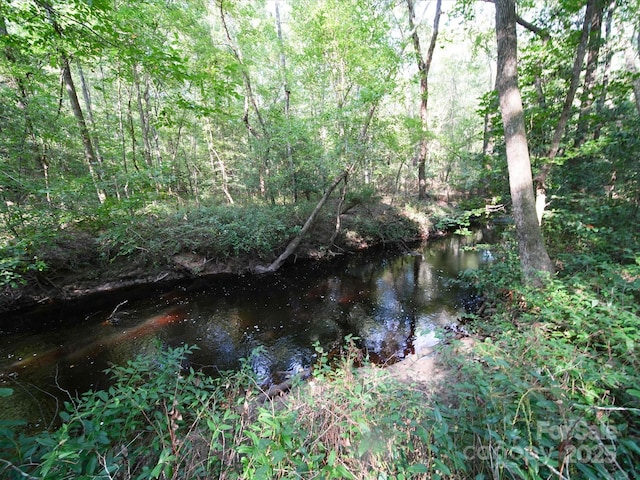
[{"x": 394, "y": 302}]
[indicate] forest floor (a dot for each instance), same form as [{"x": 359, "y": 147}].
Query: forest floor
[{"x": 424, "y": 368}]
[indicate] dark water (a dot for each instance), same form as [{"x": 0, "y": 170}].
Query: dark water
[{"x": 394, "y": 302}]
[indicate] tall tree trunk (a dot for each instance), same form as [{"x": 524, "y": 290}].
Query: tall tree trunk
[
  {"x": 250, "y": 103},
  {"x": 214, "y": 158},
  {"x": 631, "y": 60},
  {"x": 588, "y": 91},
  {"x": 121, "y": 132},
  {"x": 533, "y": 254},
  {"x": 143, "y": 114},
  {"x": 67, "y": 79},
  {"x": 424, "y": 64},
  {"x": 565, "y": 115},
  {"x": 132, "y": 132},
  {"x": 487, "y": 129},
  {"x": 574, "y": 83},
  {"x": 89, "y": 151},
  {"x": 87, "y": 102},
  {"x": 287, "y": 106},
  {"x": 606, "y": 70}
]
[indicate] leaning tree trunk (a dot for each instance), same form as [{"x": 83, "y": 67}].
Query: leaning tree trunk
[
  {"x": 424, "y": 65},
  {"x": 533, "y": 254},
  {"x": 293, "y": 245},
  {"x": 67, "y": 79},
  {"x": 89, "y": 151},
  {"x": 565, "y": 115}
]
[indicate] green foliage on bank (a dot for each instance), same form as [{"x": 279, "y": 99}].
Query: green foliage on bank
[
  {"x": 150, "y": 235},
  {"x": 549, "y": 390},
  {"x": 552, "y": 390},
  {"x": 170, "y": 423},
  {"x": 147, "y": 235}
]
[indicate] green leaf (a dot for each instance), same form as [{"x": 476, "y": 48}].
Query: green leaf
[
  {"x": 6, "y": 392},
  {"x": 418, "y": 468},
  {"x": 634, "y": 392}
]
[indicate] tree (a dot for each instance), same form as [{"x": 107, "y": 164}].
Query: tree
[
  {"x": 565, "y": 115},
  {"x": 593, "y": 53},
  {"x": 424, "y": 65},
  {"x": 631, "y": 61},
  {"x": 533, "y": 254},
  {"x": 87, "y": 142}
]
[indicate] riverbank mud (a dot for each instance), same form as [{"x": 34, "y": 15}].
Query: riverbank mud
[{"x": 76, "y": 272}]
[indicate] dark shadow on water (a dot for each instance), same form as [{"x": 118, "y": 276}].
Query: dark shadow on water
[{"x": 393, "y": 302}]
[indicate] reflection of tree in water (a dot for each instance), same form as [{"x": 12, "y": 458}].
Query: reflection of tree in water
[
  {"x": 410, "y": 297},
  {"x": 393, "y": 303}
]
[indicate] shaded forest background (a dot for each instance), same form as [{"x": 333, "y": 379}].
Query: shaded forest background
[
  {"x": 118, "y": 113},
  {"x": 136, "y": 134}
]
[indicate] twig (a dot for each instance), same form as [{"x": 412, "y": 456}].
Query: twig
[
  {"x": 116, "y": 309},
  {"x": 620, "y": 409},
  {"x": 546, "y": 464},
  {"x": 13, "y": 467},
  {"x": 281, "y": 388}
]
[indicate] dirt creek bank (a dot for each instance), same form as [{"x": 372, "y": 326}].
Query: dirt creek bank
[{"x": 77, "y": 270}]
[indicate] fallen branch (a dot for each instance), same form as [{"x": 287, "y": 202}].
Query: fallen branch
[
  {"x": 116, "y": 309},
  {"x": 298, "y": 238}
]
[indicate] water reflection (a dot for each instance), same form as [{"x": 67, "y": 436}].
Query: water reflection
[{"x": 393, "y": 302}]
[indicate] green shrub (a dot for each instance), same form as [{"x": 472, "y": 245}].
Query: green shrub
[
  {"x": 552, "y": 392},
  {"x": 16, "y": 261}
]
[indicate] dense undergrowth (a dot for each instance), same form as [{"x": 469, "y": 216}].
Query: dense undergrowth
[
  {"x": 550, "y": 390},
  {"x": 47, "y": 247}
]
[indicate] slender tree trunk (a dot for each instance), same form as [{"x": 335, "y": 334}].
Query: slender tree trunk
[
  {"x": 533, "y": 254},
  {"x": 250, "y": 96},
  {"x": 67, "y": 80},
  {"x": 588, "y": 96},
  {"x": 424, "y": 65},
  {"x": 89, "y": 151},
  {"x": 631, "y": 60},
  {"x": 121, "y": 132},
  {"x": 194, "y": 179},
  {"x": 343, "y": 196},
  {"x": 175, "y": 144},
  {"x": 487, "y": 130},
  {"x": 287, "y": 105},
  {"x": 565, "y": 115},
  {"x": 251, "y": 104},
  {"x": 214, "y": 158},
  {"x": 143, "y": 114},
  {"x": 606, "y": 70},
  {"x": 132, "y": 132},
  {"x": 87, "y": 102},
  {"x": 488, "y": 137},
  {"x": 153, "y": 131}
]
